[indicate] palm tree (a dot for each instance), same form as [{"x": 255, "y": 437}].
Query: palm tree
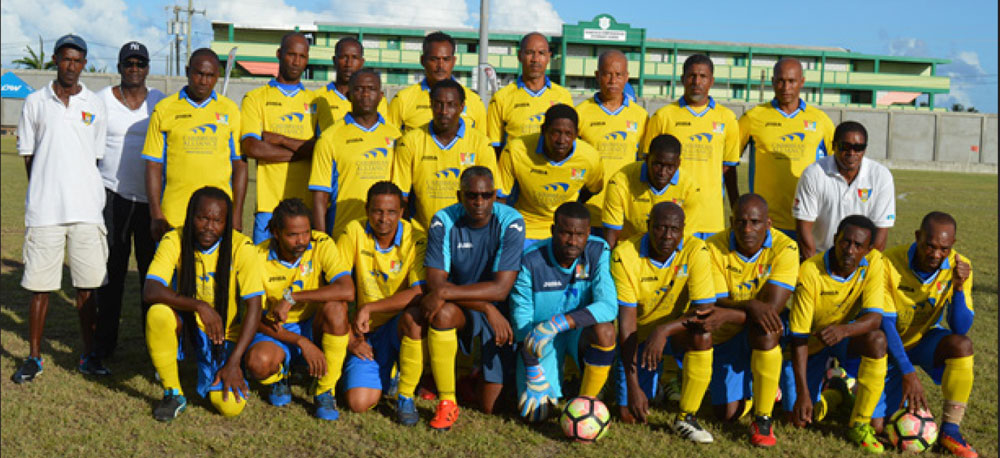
[{"x": 34, "y": 60}]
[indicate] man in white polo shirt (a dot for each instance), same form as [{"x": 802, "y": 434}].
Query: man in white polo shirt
[
  {"x": 61, "y": 137},
  {"x": 841, "y": 185},
  {"x": 126, "y": 209}
]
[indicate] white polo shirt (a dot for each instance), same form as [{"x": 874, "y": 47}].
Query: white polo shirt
[
  {"x": 122, "y": 168},
  {"x": 65, "y": 142},
  {"x": 823, "y": 196}
]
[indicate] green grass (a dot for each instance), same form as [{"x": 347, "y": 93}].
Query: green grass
[{"x": 64, "y": 413}]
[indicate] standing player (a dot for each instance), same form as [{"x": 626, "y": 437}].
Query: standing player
[
  {"x": 929, "y": 281},
  {"x": 709, "y": 138},
  {"x": 126, "y": 210},
  {"x": 350, "y": 157},
  {"x": 411, "y": 107},
  {"x": 519, "y": 107},
  {"x": 564, "y": 299},
  {"x": 473, "y": 255},
  {"x": 192, "y": 141},
  {"x": 348, "y": 58},
  {"x": 633, "y": 191},
  {"x": 785, "y": 136},
  {"x": 307, "y": 287},
  {"x": 388, "y": 255},
  {"x": 656, "y": 274},
  {"x": 429, "y": 159},
  {"x": 755, "y": 268},
  {"x": 61, "y": 137},
  {"x": 193, "y": 282},
  {"x": 279, "y": 131},
  {"x": 538, "y": 172},
  {"x": 612, "y": 122},
  {"x": 836, "y": 311}
]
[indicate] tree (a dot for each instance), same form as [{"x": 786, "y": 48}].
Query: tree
[{"x": 34, "y": 60}]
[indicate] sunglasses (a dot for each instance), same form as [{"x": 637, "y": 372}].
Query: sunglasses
[
  {"x": 135, "y": 64},
  {"x": 469, "y": 195},
  {"x": 847, "y": 147}
]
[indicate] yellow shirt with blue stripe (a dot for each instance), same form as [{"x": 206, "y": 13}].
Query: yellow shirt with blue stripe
[
  {"x": 630, "y": 197},
  {"x": 337, "y": 105},
  {"x": 710, "y": 139},
  {"x": 245, "y": 271},
  {"x": 782, "y": 146},
  {"x": 516, "y": 111},
  {"x": 653, "y": 288},
  {"x": 320, "y": 263},
  {"x": 741, "y": 278},
  {"x": 289, "y": 110},
  {"x": 921, "y": 301},
  {"x": 347, "y": 160},
  {"x": 535, "y": 186},
  {"x": 381, "y": 272},
  {"x": 196, "y": 144},
  {"x": 428, "y": 171},
  {"x": 411, "y": 108},
  {"x": 615, "y": 135},
  {"x": 823, "y": 299}
]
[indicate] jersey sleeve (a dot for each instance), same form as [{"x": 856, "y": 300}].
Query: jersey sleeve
[
  {"x": 873, "y": 293},
  {"x": 744, "y": 125},
  {"x": 474, "y": 106},
  {"x": 731, "y": 153},
  {"x": 522, "y": 305},
  {"x": 827, "y": 144},
  {"x": 506, "y": 178},
  {"x": 332, "y": 261},
  {"x": 164, "y": 263},
  {"x": 249, "y": 271},
  {"x": 800, "y": 316},
  {"x": 511, "y": 246},
  {"x": 418, "y": 275},
  {"x": 251, "y": 117},
  {"x": 883, "y": 213},
  {"x": 26, "y": 130},
  {"x": 494, "y": 122},
  {"x": 654, "y": 127},
  {"x": 402, "y": 165},
  {"x": 805, "y": 207},
  {"x": 595, "y": 179},
  {"x": 785, "y": 266},
  {"x": 154, "y": 148},
  {"x": 605, "y": 305},
  {"x": 101, "y": 129},
  {"x": 234, "y": 134},
  {"x": 347, "y": 248},
  {"x": 718, "y": 272},
  {"x": 487, "y": 157},
  {"x": 438, "y": 253},
  {"x": 396, "y": 111},
  {"x": 615, "y": 198},
  {"x": 383, "y": 109},
  {"x": 625, "y": 288},
  {"x": 322, "y": 175},
  {"x": 565, "y": 97},
  {"x": 701, "y": 287}
]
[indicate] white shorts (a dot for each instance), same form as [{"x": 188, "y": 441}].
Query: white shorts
[{"x": 43, "y": 252}]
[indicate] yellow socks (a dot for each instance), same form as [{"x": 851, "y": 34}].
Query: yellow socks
[
  {"x": 871, "y": 381},
  {"x": 161, "y": 340},
  {"x": 596, "y": 366},
  {"x": 956, "y": 386},
  {"x": 695, "y": 379},
  {"x": 335, "y": 350},
  {"x": 765, "y": 365},
  {"x": 275, "y": 377},
  {"x": 411, "y": 365},
  {"x": 443, "y": 345}
]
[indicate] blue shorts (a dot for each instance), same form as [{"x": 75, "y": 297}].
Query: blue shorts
[
  {"x": 731, "y": 377},
  {"x": 260, "y": 232},
  {"x": 553, "y": 361},
  {"x": 816, "y": 367},
  {"x": 292, "y": 352},
  {"x": 207, "y": 364},
  {"x": 649, "y": 379},
  {"x": 374, "y": 374},
  {"x": 497, "y": 361},
  {"x": 921, "y": 355}
]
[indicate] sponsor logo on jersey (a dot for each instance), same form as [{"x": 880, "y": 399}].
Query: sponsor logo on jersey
[
  {"x": 682, "y": 123},
  {"x": 373, "y": 153},
  {"x": 449, "y": 171},
  {"x": 521, "y": 105},
  {"x": 517, "y": 227},
  {"x": 377, "y": 275},
  {"x": 537, "y": 117},
  {"x": 616, "y": 135},
  {"x": 463, "y": 245},
  {"x": 556, "y": 186},
  {"x": 773, "y": 124},
  {"x": 437, "y": 223},
  {"x": 539, "y": 171},
  {"x": 272, "y": 104},
  {"x": 644, "y": 279},
  {"x": 597, "y": 123},
  {"x": 827, "y": 293},
  {"x": 702, "y": 137},
  {"x": 354, "y": 140},
  {"x": 428, "y": 158},
  {"x": 794, "y": 136},
  {"x": 203, "y": 128},
  {"x": 293, "y": 116},
  {"x": 182, "y": 116},
  {"x": 552, "y": 284}
]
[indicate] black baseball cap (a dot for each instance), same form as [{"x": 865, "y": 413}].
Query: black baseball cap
[
  {"x": 133, "y": 49},
  {"x": 71, "y": 40}
]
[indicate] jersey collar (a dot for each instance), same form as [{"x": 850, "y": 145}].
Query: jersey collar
[
  {"x": 348, "y": 118},
  {"x": 801, "y": 108},
  {"x": 924, "y": 277},
  {"x": 682, "y": 102},
  {"x": 82, "y": 95},
  {"x": 460, "y": 134},
  {"x": 204, "y": 103},
  {"x": 427, "y": 88},
  {"x": 396, "y": 241},
  {"x": 272, "y": 255},
  {"x": 520, "y": 85},
  {"x": 644, "y": 253},
  {"x": 540, "y": 149},
  {"x": 625, "y": 102},
  {"x": 735, "y": 248},
  {"x": 332, "y": 87},
  {"x": 289, "y": 90},
  {"x": 644, "y": 177},
  {"x": 212, "y": 248},
  {"x": 826, "y": 263}
]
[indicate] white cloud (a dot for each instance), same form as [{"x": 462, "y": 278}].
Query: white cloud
[
  {"x": 524, "y": 16},
  {"x": 966, "y": 74}
]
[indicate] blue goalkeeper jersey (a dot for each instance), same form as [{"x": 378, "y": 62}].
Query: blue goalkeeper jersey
[{"x": 474, "y": 255}]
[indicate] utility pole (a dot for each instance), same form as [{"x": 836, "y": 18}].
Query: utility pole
[
  {"x": 174, "y": 28},
  {"x": 484, "y": 46},
  {"x": 190, "y": 12}
]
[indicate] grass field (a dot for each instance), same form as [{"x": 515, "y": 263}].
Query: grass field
[{"x": 65, "y": 414}]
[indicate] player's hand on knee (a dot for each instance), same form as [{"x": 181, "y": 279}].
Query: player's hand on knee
[
  {"x": 832, "y": 335},
  {"x": 764, "y": 316},
  {"x": 652, "y": 354},
  {"x": 212, "y": 321},
  {"x": 537, "y": 399},
  {"x": 232, "y": 380},
  {"x": 501, "y": 327},
  {"x": 360, "y": 348},
  {"x": 913, "y": 393},
  {"x": 362, "y": 321},
  {"x": 314, "y": 357},
  {"x": 541, "y": 335}
]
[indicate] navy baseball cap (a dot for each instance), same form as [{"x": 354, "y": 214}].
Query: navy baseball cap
[
  {"x": 71, "y": 40},
  {"x": 133, "y": 49}
]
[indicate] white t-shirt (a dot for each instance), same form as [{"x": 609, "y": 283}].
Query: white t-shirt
[
  {"x": 122, "y": 168},
  {"x": 65, "y": 142},
  {"x": 824, "y": 197}
]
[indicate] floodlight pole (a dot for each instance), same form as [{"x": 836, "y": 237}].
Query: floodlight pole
[{"x": 484, "y": 46}]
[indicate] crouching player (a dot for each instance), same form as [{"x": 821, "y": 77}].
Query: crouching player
[
  {"x": 655, "y": 275},
  {"x": 307, "y": 289},
  {"x": 836, "y": 311},
  {"x": 563, "y": 300},
  {"x": 755, "y": 268},
  {"x": 928, "y": 282},
  {"x": 388, "y": 255},
  {"x": 192, "y": 282}
]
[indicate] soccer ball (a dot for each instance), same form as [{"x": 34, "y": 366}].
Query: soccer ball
[
  {"x": 585, "y": 419},
  {"x": 912, "y": 432}
]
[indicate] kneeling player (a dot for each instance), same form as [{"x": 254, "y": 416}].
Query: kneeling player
[
  {"x": 563, "y": 292},
  {"x": 387, "y": 254},
  {"x": 755, "y": 267},
  {"x": 836, "y": 311},
  {"x": 192, "y": 285},
  {"x": 928, "y": 282},
  {"x": 299, "y": 308},
  {"x": 654, "y": 273}
]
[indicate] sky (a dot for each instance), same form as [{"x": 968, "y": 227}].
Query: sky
[{"x": 964, "y": 32}]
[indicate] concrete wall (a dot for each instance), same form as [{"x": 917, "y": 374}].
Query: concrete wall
[{"x": 922, "y": 140}]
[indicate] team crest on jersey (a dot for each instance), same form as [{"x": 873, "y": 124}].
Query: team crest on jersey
[
  {"x": 864, "y": 194},
  {"x": 681, "y": 270},
  {"x": 939, "y": 287},
  {"x": 222, "y": 118},
  {"x": 718, "y": 127},
  {"x": 88, "y": 118},
  {"x": 305, "y": 268},
  {"x": 389, "y": 142},
  {"x": 577, "y": 174},
  {"x": 581, "y": 271},
  {"x": 631, "y": 126},
  {"x": 395, "y": 267},
  {"x": 810, "y": 125},
  {"x": 309, "y": 108},
  {"x": 467, "y": 159},
  {"x": 763, "y": 270}
]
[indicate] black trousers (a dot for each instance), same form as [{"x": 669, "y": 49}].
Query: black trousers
[{"x": 128, "y": 226}]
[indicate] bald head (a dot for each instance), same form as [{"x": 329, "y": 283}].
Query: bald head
[
  {"x": 787, "y": 82},
  {"x": 666, "y": 210},
  {"x": 751, "y": 201},
  {"x": 937, "y": 218},
  {"x": 292, "y": 39},
  {"x": 609, "y": 57},
  {"x": 530, "y": 37},
  {"x": 787, "y": 64}
]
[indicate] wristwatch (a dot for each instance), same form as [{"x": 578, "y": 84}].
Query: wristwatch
[{"x": 288, "y": 296}]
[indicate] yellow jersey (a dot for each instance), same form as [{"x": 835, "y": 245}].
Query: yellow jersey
[
  {"x": 781, "y": 147},
  {"x": 427, "y": 170},
  {"x": 319, "y": 265},
  {"x": 536, "y": 186},
  {"x": 516, "y": 111},
  {"x": 337, "y": 106},
  {"x": 245, "y": 271},
  {"x": 196, "y": 144},
  {"x": 630, "y": 197},
  {"x": 411, "y": 108}
]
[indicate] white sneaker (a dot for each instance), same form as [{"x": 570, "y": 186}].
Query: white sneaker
[{"x": 688, "y": 428}]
